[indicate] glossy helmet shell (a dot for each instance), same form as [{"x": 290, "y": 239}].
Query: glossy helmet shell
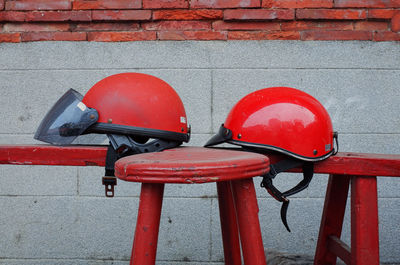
[
  {"x": 282, "y": 119},
  {"x": 139, "y": 105}
]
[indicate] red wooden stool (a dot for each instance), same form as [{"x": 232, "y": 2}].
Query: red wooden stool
[{"x": 231, "y": 170}]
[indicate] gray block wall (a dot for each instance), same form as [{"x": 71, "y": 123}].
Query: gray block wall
[{"x": 58, "y": 215}]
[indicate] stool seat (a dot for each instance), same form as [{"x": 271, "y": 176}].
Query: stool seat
[
  {"x": 231, "y": 170},
  {"x": 191, "y": 165}
]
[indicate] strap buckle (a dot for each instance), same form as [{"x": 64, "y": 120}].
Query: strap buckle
[{"x": 109, "y": 183}]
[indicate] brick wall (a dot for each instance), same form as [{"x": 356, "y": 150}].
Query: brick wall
[{"x": 133, "y": 20}]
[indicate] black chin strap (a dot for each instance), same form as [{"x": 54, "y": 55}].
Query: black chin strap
[
  {"x": 281, "y": 166},
  {"x": 122, "y": 145},
  {"x": 109, "y": 180}
]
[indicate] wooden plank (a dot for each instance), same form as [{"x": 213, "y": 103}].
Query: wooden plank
[
  {"x": 72, "y": 155},
  {"x": 364, "y": 221},
  {"x": 340, "y": 249},
  {"x": 357, "y": 164},
  {"x": 360, "y": 164},
  {"x": 332, "y": 218}
]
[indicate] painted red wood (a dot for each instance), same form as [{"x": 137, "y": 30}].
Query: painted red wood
[
  {"x": 191, "y": 165},
  {"x": 361, "y": 164},
  {"x": 332, "y": 217},
  {"x": 229, "y": 227},
  {"x": 72, "y": 155},
  {"x": 249, "y": 225},
  {"x": 364, "y": 221},
  {"x": 340, "y": 249},
  {"x": 356, "y": 164},
  {"x": 81, "y": 155},
  {"x": 144, "y": 248}
]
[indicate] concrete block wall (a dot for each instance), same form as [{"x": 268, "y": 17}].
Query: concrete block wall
[{"x": 58, "y": 215}]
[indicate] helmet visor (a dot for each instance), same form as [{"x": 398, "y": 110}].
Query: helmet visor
[
  {"x": 66, "y": 120},
  {"x": 223, "y": 135}
]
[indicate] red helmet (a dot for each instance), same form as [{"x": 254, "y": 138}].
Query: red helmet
[
  {"x": 281, "y": 119},
  {"x": 130, "y": 108},
  {"x": 285, "y": 120},
  {"x": 133, "y": 104}
]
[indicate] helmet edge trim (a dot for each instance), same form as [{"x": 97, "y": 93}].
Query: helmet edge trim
[
  {"x": 283, "y": 151},
  {"x": 152, "y": 133}
]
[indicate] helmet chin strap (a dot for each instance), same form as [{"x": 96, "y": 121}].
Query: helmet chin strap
[
  {"x": 281, "y": 166},
  {"x": 122, "y": 145}
]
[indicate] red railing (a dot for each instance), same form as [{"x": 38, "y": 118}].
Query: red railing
[{"x": 359, "y": 170}]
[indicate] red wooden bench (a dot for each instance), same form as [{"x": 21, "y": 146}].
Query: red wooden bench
[{"x": 359, "y": 170}]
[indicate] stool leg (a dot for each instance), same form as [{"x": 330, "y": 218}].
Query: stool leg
[
  {"x": 364, "y": 221},
  {"x": 332, "y": 217},
  {"x": 229, "y": 229},
  {"x": 246, "y": 206},
  {"x": 148, "y": 221}
]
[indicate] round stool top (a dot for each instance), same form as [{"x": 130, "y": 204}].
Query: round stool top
[{"x": 191, "y": 165}]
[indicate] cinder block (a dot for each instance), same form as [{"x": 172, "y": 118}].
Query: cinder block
[
  {"x": 39, "y": 90},
  {"x": 197, "y": 54},
  {"x": 99, "y": 228},
  {"x": 93, "y": 55},
  {"x": 388, "y": 229},
  {"x": 185, "y": 230},
  {"x": 298, "y": 55},
  {"x": 17, "y": 180},
  {"x": 26, "y": 139},
  {"x": 89, "y": 228},
  {"x": 67, "y": 228},
  {"x": 369, "y": 143},
  {"x": 348, "y": 96}
]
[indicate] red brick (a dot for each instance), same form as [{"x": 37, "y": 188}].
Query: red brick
[
  {"x": 222, "y": 25},
  {"x": 331, "y": 14},
  {"x": 309, "y": 25},
  {"x": 177, "y": 25},
  {"x": 297, "y": 3},
  {"x": 224, "y": 3},
  {"x": 53, "y": 36},
  {"x": 336, "y": 35},
  {"x": 371, "y": 25},
  {"x": 187, "y": 14},
  {"x": 14, "y": 16},
  {"x": 395, "y": 24},
  {"x": 38, "y": 5},
  {"x": 367, "y": 3},
  {"x": 58, "y": 16},
  {"x": 2, "y": 4},
  {"x": 10, "y": 37},
  {"x": 386, "y": 36},
  {"x": 106, "y": 4},
  {"x": 381, "y": 13},
  {"x": 284, "y": 35},
  {"x": 152, "y": 4},
  {"x": 262, "y": 35},
  {"x": 191, "y": 35},
  {"x": 101, "y": 26},
  {"x": 258, "y": 14},
  {"x": 26, "y": 27},
  {"x": 122, "y": 36},
  {"x": 121, "y": 14}
]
